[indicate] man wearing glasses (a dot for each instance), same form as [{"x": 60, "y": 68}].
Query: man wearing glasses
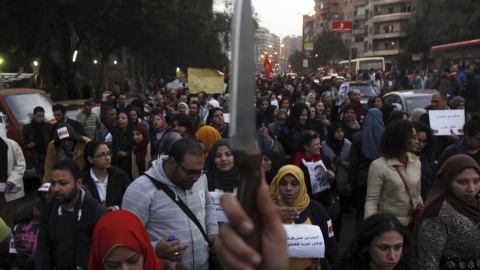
[{"x": 182, "y": 172}]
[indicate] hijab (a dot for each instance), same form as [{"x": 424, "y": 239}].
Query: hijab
[
  {"x": 303, "y": 200},
  {"x": 208, "y": 135},
  {"x": 217, "y": 179},
  {"x": 131, "y": 234},
  {"x": 140, "y": 150},
  {"x": 372, "y": 131},
  {"x": 186, "y": 106},
  {"x": 214, "y": 103},
  {"x": 159, "y": 133},
  {"x": 333, "y": 143},
  {"x": 442, "y": 189},
  {"x": 277, "y": 162}
]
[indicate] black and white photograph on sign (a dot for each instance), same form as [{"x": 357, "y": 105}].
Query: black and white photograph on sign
[{"x": 318, "y": 176}]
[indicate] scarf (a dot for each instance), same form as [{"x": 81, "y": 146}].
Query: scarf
[
  {"x": 225, "y": 181},
  {"x": 372, "y": 131},
  {"x": 303, "y": 200},
  {"x": 72, "y": 155},
  {"x": 140, "y": 150},
  {"x": 333, "y": 143},
  {"x": 130, "y": 234},
  {"x": 208, "y": 135},
  {"x": 442, "y": 189},
  {"x": 3, "y": 160},
  {"x": 300, "y": 155}
]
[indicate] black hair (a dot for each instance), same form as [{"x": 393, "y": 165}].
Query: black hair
[
  {"x": 90, "y": 149},
  {"x": 59, "y": 107},
  {"x": 183, "y": 147},
  {"x": 306, "y": 137},
  {"x": 422, "y": 127},
  {"x": 211, "y": 112},
  {"x": 396, "y": 115},
  {"x": 196, "y": 103},
  {"x": 371, "y": 101},
  {"x": 70, "y": 166},
  {"x": 38, "y": 109},
  {"x": 357, "y": 254},
  {"x": 137, "y": 103},
  {"x": 472, "y": 126},
  {"x": 395, "y": 138},
  {"x": 295, "y": 114},
  {"x": 289, "y": 101},
  {"x": 184, "y": 120},
  {"x": 269, "y": 113}
]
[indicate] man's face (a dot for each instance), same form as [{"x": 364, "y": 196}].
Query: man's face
[
  {"x": 183, "y": 98},
  {"x": 188, "y": 172},
  {"x": 187, "y": 92},
  {"x": 422, "y": 73},
  {"x": 39, "y": 117},
  {"x": 112, "y": 115},
  {"x": 438, "y": 102},
  {"x": 193, "y": 109},
  {"x": 171, "y": 93},
  {"x": 64, "y": 188},
  {"x": 201, "y": 99},
  {"x": 87, "y": 109},
  {"x": 67, "y": 144},
  {"x": 356, "y": 95},
  {"x": 59, "y": 116},
  {"x": 122, "y": 100}
]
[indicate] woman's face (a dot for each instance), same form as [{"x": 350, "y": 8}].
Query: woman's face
[
  {"x": 349, "y": 116},
  {"x": 312, "y": 112},
  {"x": 466, "y": 186},
  {"x": 302, "y": 99},
  {"x": 303, "y": 117},
  {"x": 102, "y": 158},
  {"x": 378, "y": 103},
  {"x": 320, "y": 108},
  {"x": 286, "y": 105},
  {"x": 179, "y": 129},
  {"x": 313, "y": 148},
  {"x": 122, "y": 120},
  {"x": 422, "y": 141},
  {"x": 182, "y": 109},
  {"x": 273, "y": 97},
  {"x": 266, "y": 164},
  {"x": 275, "y": 112},
  {"x": 346, "y": 101},
  {"x": 123, "y": 258},
  {"x": 413, "y": 142},
  {"x": 338, "y": 135},
  {"x": 133, "y": 115},
  {"x": 312, "y": 98},
  {"x": 159, "y": 99},
  {"x": 264, "y": 105},
  {"x": 386, "y": 250},
  {"x": 224, "y": 159},
  {"x": 217, "y": 119},
  {"x": 157, "y": 121},
  {"x": 137, "y": 137},
  {"x": 473, "y": 142},
  {"x": 289, "y": 188}
]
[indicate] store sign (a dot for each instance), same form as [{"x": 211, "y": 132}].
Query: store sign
[{"x": 342, "y": 27}]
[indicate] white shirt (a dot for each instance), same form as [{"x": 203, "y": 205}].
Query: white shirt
[{"x": 101, "y": 187}]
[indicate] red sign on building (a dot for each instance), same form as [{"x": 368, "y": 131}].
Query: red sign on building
[{"x": 342, "y": 27}]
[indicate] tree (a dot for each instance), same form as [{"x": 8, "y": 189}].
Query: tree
[{"x": 328, "y": 49}]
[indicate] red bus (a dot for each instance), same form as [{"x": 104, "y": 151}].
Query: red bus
[{"x": 462, "y": 53}]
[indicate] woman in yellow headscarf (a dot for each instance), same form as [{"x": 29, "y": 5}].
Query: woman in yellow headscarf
[
  {"x": 207, "y": 135},
  {"x": 288, "y": 189}
]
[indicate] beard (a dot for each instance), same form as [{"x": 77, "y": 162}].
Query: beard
[{"x": 70, "y": 196}]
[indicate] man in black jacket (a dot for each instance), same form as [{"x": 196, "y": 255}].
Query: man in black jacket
[
  {"x": 60, "y": 113},
  {"x": 36, "y": 137},
  {"x": 67, "y": 222}
]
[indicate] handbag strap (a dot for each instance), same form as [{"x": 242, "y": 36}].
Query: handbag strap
[
  {"x": 404, "y": 183},
  {"x": 181, "y": 204}
]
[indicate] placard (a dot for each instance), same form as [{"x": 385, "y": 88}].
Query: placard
[
  {"x": 305, "y": 241},
  {"x": 15, "y": 188},
  {"x": 444, "y": 122},
  {"x": 205, "y": 79},
  {"x": 318, "y": 176},
  {"x": 221, "y": 217}
]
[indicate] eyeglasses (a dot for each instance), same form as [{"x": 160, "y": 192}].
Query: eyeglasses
[
  {"x": 424, "y": 142},
  {"x": 192, "y": 173},
  {"x": 104, "y": 155}
]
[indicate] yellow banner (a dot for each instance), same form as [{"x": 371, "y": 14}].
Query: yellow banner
[
  {"x": 281, "y": 56},
  {"x": 205, "y": 79},
  {"x": 308, "y": 46}
]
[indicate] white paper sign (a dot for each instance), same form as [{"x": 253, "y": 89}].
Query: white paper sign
[
  {"x": 318, "y": 176},
  {"x": 221, "y": 217},
  {"x": 444, "y": 122},
  {"x": 304, "y": 241},
  {"x": 62, "y": 133}
]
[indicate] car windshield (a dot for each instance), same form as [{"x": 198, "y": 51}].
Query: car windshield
[
  {"x": 22, "y": 106},
  {"x": 365, "y": 89},
  {"x": 411, "y": 103}
]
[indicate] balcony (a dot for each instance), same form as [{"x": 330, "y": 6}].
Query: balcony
[
  {"x": 360, "y": 3},
  {"x": 360, "y": 31},
  {"x": 359, "y": 17},
  {"x": 389, "y": 2},
  {"x": 382, "y": 35},
  {"x": 382, "y": 53},
  {"x": 391, "y": 17}
]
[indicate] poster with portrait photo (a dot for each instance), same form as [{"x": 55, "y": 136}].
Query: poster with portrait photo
[{"x": 318, "y": 176}]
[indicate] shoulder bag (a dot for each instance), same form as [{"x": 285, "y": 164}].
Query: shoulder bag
[{"x": 417, "y": 210}]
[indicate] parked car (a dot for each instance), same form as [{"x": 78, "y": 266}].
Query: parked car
[
  {"x": 410, "y": 99},
  {"x": 74, "y": 106},
  {"x": 17, "y": 105},
  {"x": 367, "y": 90}
]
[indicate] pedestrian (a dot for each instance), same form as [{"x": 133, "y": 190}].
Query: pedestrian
[
  {"x": 122, "y": 144},
  {"x": 153, "y": 197},
  {"x": 141, "y": 151},
  {"x": 222, "y": 172},
  {"x": 207, "y": 135},
  {"x": 60, "y": 113},
  {"x": 159, "y": 128},
  {"x": 88, "y": 119},
  {"x": 394, "y": 179},
  {"x": 215, "y": 119}
]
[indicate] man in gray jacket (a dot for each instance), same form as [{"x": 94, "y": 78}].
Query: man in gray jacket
[{"x": 182, "y": 172}]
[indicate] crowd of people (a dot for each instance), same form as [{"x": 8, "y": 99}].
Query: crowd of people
[{"x": 132, "y": 186}]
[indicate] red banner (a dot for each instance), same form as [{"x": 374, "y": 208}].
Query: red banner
[
  {"x": 342, "y": 27},
  {"x": 268, "y": 67}
]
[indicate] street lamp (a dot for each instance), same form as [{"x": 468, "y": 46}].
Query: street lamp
[
  {"x": 35, "y": 63},
  {"x": 1, "y": 60},
  {"x": 115, "y": 62},
  {"x": 74, "y": 58},
  {"x": 95, "y": 61}
]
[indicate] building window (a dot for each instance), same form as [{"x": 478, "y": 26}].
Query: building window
[
  {"x": 369, "y": 47},
  {"x": 388, "y": 28},
  {"x": 391, "y": 10}
]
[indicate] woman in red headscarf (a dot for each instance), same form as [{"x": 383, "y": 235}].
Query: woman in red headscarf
[
  {"x": 449, "y": 229},
  {"x": 127, "y": 244}
]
